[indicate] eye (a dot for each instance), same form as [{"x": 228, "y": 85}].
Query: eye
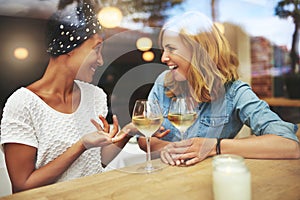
[
  {"x": 170, "y": 49},
  {"x": 98, "y": 48}
]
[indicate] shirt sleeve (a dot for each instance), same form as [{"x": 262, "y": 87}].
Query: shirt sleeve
[
  {"x": 16, "y": 123},
  {"x": 256, "y": 113}
]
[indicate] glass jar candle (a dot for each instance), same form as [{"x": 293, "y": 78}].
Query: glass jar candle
[{"x": 231, "y": 178}]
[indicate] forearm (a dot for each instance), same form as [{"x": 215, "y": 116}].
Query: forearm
[
  {"x": 156, "y": 144},
  {"x": 49, "y": 173},
  {"x": 265, "y": 147}
]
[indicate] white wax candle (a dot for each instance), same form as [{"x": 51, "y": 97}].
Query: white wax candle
[{"x": 231, "y": 181}]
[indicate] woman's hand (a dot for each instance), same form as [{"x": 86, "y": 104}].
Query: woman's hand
[
  {"x": 161, "y": 132},
  {"x": 134, "y": 131},
  {"x": 105, "y": 135},
  {"x": 188, "y": 152}
]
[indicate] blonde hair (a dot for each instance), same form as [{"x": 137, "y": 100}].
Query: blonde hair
[{"x": 213, "y": 63}]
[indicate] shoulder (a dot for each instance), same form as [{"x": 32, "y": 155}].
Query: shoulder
[
  {"x": 19, "y": 98},
  {"x": 236, "y": 88},
  {"x": 19, "y": 106},
  {"x": 161, "y": 77}
]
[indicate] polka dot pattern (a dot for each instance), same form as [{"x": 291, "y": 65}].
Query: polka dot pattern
[{"x": 70, "y": 27}]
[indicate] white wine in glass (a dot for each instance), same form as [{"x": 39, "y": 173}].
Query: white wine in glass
[
  {"x": 147, "y": 118},
  {"x": 182, "y": 113}
]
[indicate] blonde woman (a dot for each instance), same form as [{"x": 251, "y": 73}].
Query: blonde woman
[{"x": 202, "y": 65}]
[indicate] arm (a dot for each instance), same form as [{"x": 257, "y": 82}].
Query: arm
[
  {"x": 266, "y": 146},
  {"x": 109, "y": 152},
  {"x": 21, "y": 166},
  {"x": 276, "y": 139},
  {"x": 195, "y": 150}
]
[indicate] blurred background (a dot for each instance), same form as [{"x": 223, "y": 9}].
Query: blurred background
[{"x": 263, "y": 33}]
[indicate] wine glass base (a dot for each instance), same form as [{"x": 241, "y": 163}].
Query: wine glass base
[
  {"x": 143, "y": 169},
  {"x": 147, "y": 169}
]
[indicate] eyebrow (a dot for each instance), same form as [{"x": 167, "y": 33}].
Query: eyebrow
[
  {"x": 98, "y": 44},
  {"x": 170, "y": 46}
]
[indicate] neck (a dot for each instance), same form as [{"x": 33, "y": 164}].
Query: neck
[{"x": 58, "y": 78}]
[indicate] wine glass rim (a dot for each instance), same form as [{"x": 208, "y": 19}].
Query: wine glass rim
[
  {"x": 182, "y": 97},
  {"x": 144, "y": 100}
]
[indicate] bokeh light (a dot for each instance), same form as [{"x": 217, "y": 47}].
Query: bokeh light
[
  {"x": 110, "y": 17},
  {"x": 148, "y": 56},
  {"x": 144, "y": 43},
  {"x": 21, "y": 53}
]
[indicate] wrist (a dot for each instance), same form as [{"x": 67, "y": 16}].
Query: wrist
[{"x": 81, "y": 146}]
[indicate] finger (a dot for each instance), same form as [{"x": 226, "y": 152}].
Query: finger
[
  {"x": 115, "y": 129},
  {"x": 105, "y": 124},
  {"x": 98, "y": 127},
  {"x": 161, "y": 128},
  {"x": 169, "y": 158},
  {"x": 178, "y": 162},
  {"x": 163, "y": 158},
  {"x": 160, "y": 135},
  {"x": 119, "y": 137},
  {"x": 187, "y": 156},
  {"x": 175, "y": 156},
  {"x": 192, "y": 161}
]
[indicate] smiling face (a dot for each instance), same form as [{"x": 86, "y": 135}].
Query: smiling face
[
  {"x": 176, "y": 54},
  {"x": 88, "y": 57}
]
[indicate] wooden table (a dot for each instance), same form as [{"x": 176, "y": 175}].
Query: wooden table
[
  {"x": 282, "y": 102},
  {"x": 271, "y": 180}
]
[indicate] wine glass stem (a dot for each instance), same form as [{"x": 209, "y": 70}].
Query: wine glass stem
[
  {"x": 149, "y": 163},
  {"x": 182, "y": 135}
]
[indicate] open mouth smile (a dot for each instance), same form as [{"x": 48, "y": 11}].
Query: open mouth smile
[{"x": 173, "y": 67}]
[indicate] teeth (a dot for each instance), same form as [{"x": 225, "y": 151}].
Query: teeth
[
  {"x": 93, "y": 69},
  {"x": 172, "y": 66}
]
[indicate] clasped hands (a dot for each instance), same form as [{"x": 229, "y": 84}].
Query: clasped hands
[{"x": 188, "y": 152}]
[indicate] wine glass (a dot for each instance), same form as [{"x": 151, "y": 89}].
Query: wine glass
[
  {"x": 147, "y": 118},
  {"x": 182, "y": 113}
]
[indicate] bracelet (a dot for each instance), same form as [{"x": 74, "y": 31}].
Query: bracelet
[{"x": 218, "y": 146}]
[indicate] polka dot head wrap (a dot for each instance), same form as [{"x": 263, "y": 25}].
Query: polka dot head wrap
[{"x": 69, "y": 27}]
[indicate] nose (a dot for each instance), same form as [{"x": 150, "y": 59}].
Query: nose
[
  {"x": 165, "y": 57},
  {"x": 100, "y": 61}
]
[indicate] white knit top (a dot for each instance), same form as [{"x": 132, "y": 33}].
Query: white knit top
[{"x": 28, "y": 120}]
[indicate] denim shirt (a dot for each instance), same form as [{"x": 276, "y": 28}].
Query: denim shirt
[{"x": 225, "y": 117}]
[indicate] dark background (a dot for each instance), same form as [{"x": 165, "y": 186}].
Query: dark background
[{"x": 30, "y": 33}]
